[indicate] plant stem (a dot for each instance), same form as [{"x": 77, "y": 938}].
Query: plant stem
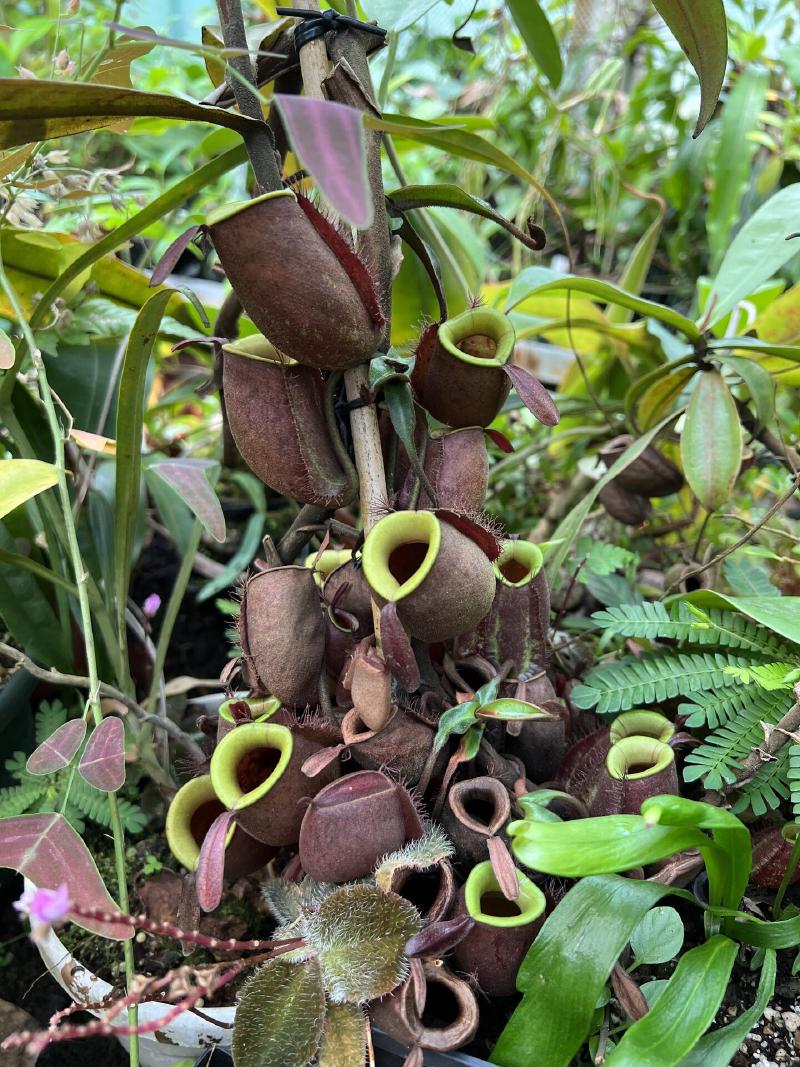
[
  {"x": 171, "y": 614},
  {"x": 388, "y": 70},
  {"x": 86, "y": 623},
  {"x": 794, "y": 859}
]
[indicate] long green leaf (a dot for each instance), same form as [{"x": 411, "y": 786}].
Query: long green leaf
[
  {"x": 130, "y": 411},
  {"x": 568, "y": 529},
  {"x": 33, "y": 110},
  {"x": 684, "y": 1010},
  {"x": 752, "y": 344},
  {"x": 733, "y": 158},
  {"x": 567, "y": 967},
  {"x": 758, "y": 251},
  {"x": 27, "y": 613},
  {"x": 700, "y": 28},
  {"x": 718, "y": 1048},
  {"x": 638, "y": 265},
  {"x": 541, "y": 280},
  {"x": 711, "y": 441},
  {"x": 20, "y": 479},
  {"x": 539, "y": 38},
  {"x": 759, "y": 385},
  {"x": 603, "y": 845}
]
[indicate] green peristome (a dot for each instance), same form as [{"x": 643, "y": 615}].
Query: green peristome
[
  {"x": 642, "y": 722},
  {"x": 481, "y": 880},
  {"x": 261, "y": 709}
]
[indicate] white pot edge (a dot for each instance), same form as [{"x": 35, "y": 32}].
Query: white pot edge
[{"x": 185, "y": 1037}]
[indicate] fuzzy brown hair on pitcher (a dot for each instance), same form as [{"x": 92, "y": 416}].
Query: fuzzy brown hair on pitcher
[
  {"x": 457, "y": 465},
  {"x": 189, "y": 817},
  {"x": 459, "y": 376},
  {"x": 282, "y": 633},
  {"x": 276, "y": 411},
  {"x": 299, "y": 280},
  {"x": 440, "y": 581},
  {"x": 517, "y": 625}
]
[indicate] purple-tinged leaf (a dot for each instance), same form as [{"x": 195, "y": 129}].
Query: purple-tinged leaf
[
  {"x": 508, "y": 709},
  {"x": 533, "y": 395},
  {"x": 103, "y": 761},
  {"x": 414, "y": 1058},
  {"x": 419, "y": 983},
  {"x": 397, "y": 650},
  {"x": 189, "y": 479},
  {"x": 500, "y": 440},
  {"x": 211, "y": 862},
  {"x": 317, "y": 762},
  {"x": 57, "y": 750},
  {"x": 328, "y": 138},
  {"x": 168, "y": 262},
  {"x": 438, "y": 938},
  {"x": 503, "y": 866},
  {"x": 46, "y": 850}
]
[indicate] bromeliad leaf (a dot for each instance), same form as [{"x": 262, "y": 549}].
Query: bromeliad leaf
[
  {"x": 103, "y": 761},
  {"x": 280, "y": 1016},
  {"x": 57, "y": 751},
  {"x": 45, "y": 849},
  {"x": 359, "y": 934},
  {"x": 702, "y": 32}
]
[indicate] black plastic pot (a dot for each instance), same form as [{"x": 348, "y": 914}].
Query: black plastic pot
[{"x": 388, "y": 1053}]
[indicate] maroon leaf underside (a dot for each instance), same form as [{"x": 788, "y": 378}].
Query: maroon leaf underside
[
  {"x": 57, "y": 750},
  {"x": 45, "y": 849},
  {"x": 211, "y": 864},
  {"x": 533, "y": 395},
  {"x": 168, "y": 262},
  {"x": 484, "y": 538},
  {"x": 500, "y": 440},
  {"x": 103, "y": 761},
  {"x": 397, "y": 650}
]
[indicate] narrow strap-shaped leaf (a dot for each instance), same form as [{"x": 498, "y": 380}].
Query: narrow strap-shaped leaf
[
  {"x": 533, "y": 395},
  {"x": 718, "y": 1048},
  {"x": 403, "y": 415},
  {"x": 567, "y": 967},
  {"x": 211, "y": 862},
  {"x": 103, "y": 761},
  {"x": 189, "y": 479},
  {"x": 684, "y": 1010},
  {"x": 408, "y": 234},
  {"x": 539, "y": 38},
  {"x": 57, "y": 750},
  {"x": 410, "y": 197},
  {"x": 701, "y": 30},
  {"x": 640, "y": 260}
]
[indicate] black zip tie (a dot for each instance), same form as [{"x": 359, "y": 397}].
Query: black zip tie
[{"x": 315, "y": 24}]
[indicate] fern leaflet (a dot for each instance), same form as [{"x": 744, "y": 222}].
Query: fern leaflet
[
  {"x": 793, "y": 777},
  {"x": 768, "y": 788}
]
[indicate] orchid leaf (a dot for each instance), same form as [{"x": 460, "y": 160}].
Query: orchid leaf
[
  {"x": 103, "y": 761},
  {"x": 57, "y": 751},
  {"x": 539, "y": 38},
  {"x": 702, "y": 32},
  {"x": 45, "y": 849},
  {"x": 328, "y": 138}
]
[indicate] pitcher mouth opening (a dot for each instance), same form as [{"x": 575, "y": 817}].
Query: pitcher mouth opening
[
  {"x": 249, "y": 761},
  {"x": 638, "y": 757},
  {"x": 189, "y": 817},
  {"x": 400, "y": 552},
  {"x": 480, "y": 336},
  {"x": 486, "y": 903},
  {"x": 641, "y": 722},
  {"x": 518, "y": 563}
]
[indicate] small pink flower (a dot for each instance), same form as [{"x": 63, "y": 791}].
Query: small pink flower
[
  {"x": 44, "y": 906},
  {"x": 151, "y": 605}
]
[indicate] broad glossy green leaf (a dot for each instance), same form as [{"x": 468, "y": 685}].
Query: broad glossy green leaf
[
  {"x": 779, "y": 614},
  {"x": 567, "y": 968},
  {"x": 507, "y": 709},
  {"x": 542, "y": 279},
  {"x": 718, "y": 1048},
  {"x": 603, "y": 845},
  {"x": 280, "y": 1016},
  {"x": 568, "y": 529},
  {"x": 711, "y": 441},
  {"x": 539, "y": 38},
  {"x": 752, "y": 344},
  {"x": 701, "y": 30},
  {"x": 34, "y": 110},
  {"x": 733, "y": 158},
  {"x": 130, "y": 411},
  {"x": 684, "y": 1010},
  {"x": 410, "y": 197},
  {"x": 758, "y": 251},
  {"x": 645, "y": 407},
  {"x": 759, "y": 385},
  {"x": 20, "y": 479}
]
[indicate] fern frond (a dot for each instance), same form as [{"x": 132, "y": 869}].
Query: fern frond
[
  {"x": 724, "y": 629},
  {"x": 717, "y": 761},
  {"x": 17, "y": 799},
  {"x": 793, "y": 777},
  {"x": 714, "y": 709},
  {"x": 93, "y": 805},
  {"x": 768, "y": 788},
  {"x": 769, "y": 676},
  {"x": 49, "y": 717},
  {"x": 652, "y": 679}
]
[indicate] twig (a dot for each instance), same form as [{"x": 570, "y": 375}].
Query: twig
[
  {"x": 788, "y": 456},
  {"x": 105, "y": 690},
  {"x": 742, "y": 540}
]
